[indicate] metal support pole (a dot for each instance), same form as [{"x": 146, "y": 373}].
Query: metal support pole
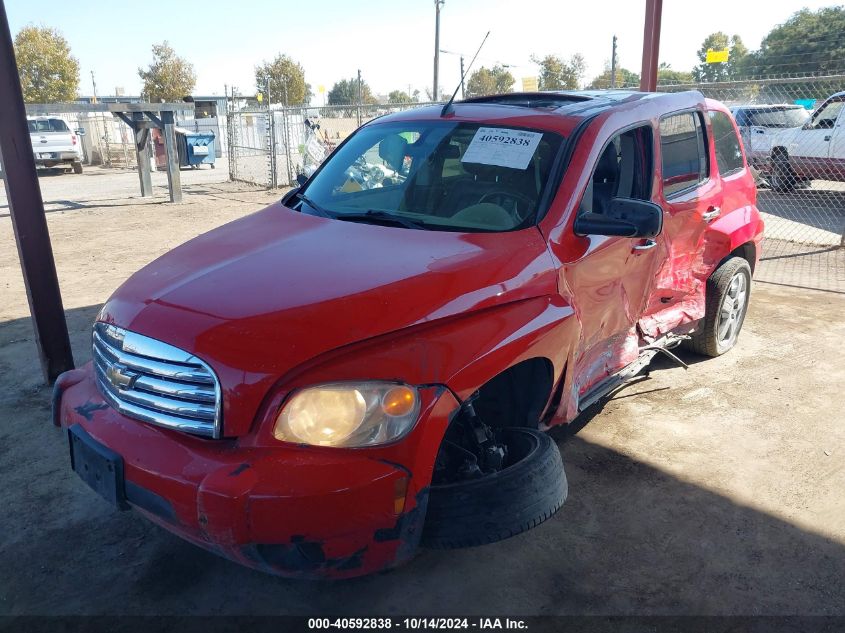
[
  {"x": 462, "y": 77},
  {"x": 28, "y": 220},
  {"x": 437, "y": 4},
  {"x": 142, "y": 139},
  {"x": 651, "y": 45},
  {"x": 174, "y": 178}
]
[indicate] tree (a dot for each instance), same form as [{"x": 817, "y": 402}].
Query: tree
[
  {"x": 49, "y": 73},
  {"x": 287, "y": 81},
  {"x": 721, "y": 71},
  {"x": 429, "y": 96},
  {"x": 624, "y": 79},
  {"x": 809, "y": 42},
  {"x": 667, "y": 76},
  {"x": 487, "y": 81},
  {"x": 399, "y": 96},
  {"x": 345, "y": 92},
  {"x": 557, "y": 74},
  {"x": 169, "y": 77}
]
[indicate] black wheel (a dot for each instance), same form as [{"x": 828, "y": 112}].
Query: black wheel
[
  {"x": 77, "y": 168},
  {"x": 728, "y": 293},
  {"x": 528, "y": 490},
  {"x": 782, "y": 178}
]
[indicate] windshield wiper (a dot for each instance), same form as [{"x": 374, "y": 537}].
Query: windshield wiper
[
  {"x": 382, "y": 216},
  {"x": 320, "y": 210}
]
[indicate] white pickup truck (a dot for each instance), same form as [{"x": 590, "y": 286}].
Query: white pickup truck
[
  {"x": 54, "y": 143},
  {"x": 814, "y": 151}
]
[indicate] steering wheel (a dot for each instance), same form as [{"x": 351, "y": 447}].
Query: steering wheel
[{"x": 497, "y": 197}]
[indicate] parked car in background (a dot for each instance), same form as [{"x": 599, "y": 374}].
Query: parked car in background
[
  {"x": 758, "y": 124},
  {"x": 371, "y": 363},
  {"x": 54, "y": 144},
  {"x": 814, "y": 151}
]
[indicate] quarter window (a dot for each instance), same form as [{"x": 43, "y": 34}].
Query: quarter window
[
  {"x": 728, "y": 152},
  {"x": 682, "y": 148}
]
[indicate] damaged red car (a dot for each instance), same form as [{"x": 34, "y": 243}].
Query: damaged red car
[{"x": 317, "y": 389}]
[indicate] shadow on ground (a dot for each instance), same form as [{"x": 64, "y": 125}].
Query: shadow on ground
[
  {"x": 818, "y": 208},
  {"x": 630, "y": 540}
]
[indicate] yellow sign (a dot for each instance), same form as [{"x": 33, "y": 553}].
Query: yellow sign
[
  {"x": 529, "y": 84},
  {"x": 716, "y": 57},
  {"x": 260, "y": 97},
  {"x": 321, "y": 88}
]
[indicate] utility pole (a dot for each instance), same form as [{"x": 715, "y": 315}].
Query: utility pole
[
  {"x": 437, "y": 5},
  {"x": 359, "y": 98},
  {"x": 462, "y": 77},
  {"x": 613, "y": 65},
  {"x": 94, "y": 82}
]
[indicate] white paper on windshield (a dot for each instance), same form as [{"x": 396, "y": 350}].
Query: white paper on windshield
[{"x": 502, "y": 147}]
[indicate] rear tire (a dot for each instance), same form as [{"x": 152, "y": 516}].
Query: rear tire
[
  {"x": 728, "y": 294},
  {"x": 502, "y": 504},
  {"x": 77, "y": 168}
]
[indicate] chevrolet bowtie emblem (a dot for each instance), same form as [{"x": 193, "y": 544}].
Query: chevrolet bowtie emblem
[{"x": 120, "y": 376}]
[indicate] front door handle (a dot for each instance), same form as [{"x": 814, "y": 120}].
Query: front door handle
[
  {"x": 646, "y": 245},
  {"x": 827, "y": 138},
  {"x": 712, "y": 214}
]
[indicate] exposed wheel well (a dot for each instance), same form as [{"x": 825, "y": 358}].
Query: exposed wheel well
[
  {"x": 780, "y": 151},
  {"x": 517, "y": 396},
  {"x": 747, "y": 251}
]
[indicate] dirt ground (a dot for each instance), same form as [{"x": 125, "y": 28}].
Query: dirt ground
[{"x": 716, "y": 490}]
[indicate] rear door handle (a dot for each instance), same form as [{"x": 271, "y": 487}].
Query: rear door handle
[
  {"x": 827, "y": 138},
  {"x": 646, "y": 245},
  {"x": 712, "y": 214}
]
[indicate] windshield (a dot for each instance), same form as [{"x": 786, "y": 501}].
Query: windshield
[
  {"x": 437, "y": 175},
  {"x": 773, "y": 117}
]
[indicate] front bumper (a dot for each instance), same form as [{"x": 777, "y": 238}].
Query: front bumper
[{"x": 289, "y": 510}]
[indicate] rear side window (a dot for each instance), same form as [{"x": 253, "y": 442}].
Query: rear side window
[
  {"x": 47, "y": 125},
  {"x": 728, "y": 152},
  {"x": 682, "y": 151},
  {"x": 57, "y": 125}
]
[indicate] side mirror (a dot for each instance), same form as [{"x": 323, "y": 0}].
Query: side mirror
[
  {"x": 623, "y": 217},
  {"x": 80, "y": 132},
  {"x": 301, "y": 179}
]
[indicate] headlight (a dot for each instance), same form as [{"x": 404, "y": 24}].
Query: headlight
[{"x": 349, "y": 414}]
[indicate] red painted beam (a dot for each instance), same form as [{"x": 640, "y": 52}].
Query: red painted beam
[
  {"x": 651, "y": 45},
  {"x": 28, "y": 220}
]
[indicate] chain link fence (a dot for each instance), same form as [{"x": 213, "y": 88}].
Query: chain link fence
[
  {"x": 268, "y": 146},
  {"x": 793, "y": 131}
]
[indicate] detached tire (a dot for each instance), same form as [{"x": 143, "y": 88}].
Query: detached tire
[
  {"x": 77, "y": 168},
  {"x": 495, "y": 507},
  {"x": 728, "y": 294}
]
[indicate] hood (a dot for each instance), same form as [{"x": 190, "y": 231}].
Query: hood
[{"x": 261, "y": 295}]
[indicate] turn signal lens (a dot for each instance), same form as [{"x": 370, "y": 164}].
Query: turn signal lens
[{"x": 398, "y": 401}]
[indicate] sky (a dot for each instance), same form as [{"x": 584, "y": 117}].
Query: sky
[{"x": 390, "y": 41}]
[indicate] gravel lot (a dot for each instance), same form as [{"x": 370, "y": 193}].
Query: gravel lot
[{"x": 716, "y": 490}]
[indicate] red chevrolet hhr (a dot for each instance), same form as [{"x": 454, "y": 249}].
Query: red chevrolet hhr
[{"x": 370, "y": 364}]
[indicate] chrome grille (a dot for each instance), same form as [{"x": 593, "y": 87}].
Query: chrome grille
[{"x": 155, "y": 382}]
